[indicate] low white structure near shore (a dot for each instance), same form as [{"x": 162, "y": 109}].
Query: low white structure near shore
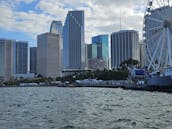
[
  {"x": 94, "y": 82},
  {"x": 28, "y": 84}
]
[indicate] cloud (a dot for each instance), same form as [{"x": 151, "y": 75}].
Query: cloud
[
  {"x": 101, "y": 16},
  {"x": 30, "y": 23},
  {"x": 53, "y": 8},
  {"x": 104, "y": 16}
]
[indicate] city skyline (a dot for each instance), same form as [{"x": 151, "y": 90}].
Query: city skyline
[{"x": 25, "y": 19}]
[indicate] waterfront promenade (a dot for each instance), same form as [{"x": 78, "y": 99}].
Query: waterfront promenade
[{"x": 123, "y": 84}]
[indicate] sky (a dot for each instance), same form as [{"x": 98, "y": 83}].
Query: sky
[{"x": 24, "y": 19}]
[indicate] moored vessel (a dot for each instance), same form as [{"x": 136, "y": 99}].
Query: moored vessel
[{"x": 162, "y": 81}]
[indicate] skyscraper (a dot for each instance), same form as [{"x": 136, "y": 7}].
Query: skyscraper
[
  {"x": 20, "y": 57},
  {"x": 74, "y": 55},
  {"x": 94, "y": 51},
  {"x": 6, "y": 60},
  {"x": 13, "y": 58},
  {"x": 56, "y": 27},
  {"x": 33, "y": 59},
  {"x": 124, "y": 46},
  {"x": 101, "y": 48},
  {"x": 49, "y": 55},
  {"x": 89, "y": 51}
]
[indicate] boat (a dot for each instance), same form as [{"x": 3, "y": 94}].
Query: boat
[{"x": 160, "y": 82}]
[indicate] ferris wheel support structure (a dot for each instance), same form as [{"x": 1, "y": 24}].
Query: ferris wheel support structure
[{"x": 157, "y": 34}]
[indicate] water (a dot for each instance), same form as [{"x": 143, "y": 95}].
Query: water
[{"x": 83, "y": 108}]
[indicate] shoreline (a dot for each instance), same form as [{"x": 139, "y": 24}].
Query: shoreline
[{"x": 124, "y": 87}]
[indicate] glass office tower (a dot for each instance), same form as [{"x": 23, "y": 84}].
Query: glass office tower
[
  {"x": 100, "y": 48},
  {"x": 33, "y": 59},
  {"x": 89, "y": 51},
  {"x": 20, "y": 57},
  {"x": 74, "y": 52},
  {"x": 56, "y": 27}
]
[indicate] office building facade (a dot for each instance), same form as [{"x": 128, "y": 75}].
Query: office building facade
[
  {"x": 94, "y": 51},
  {"x": 13, "y": 58},
  {"x": 33, "y": 59},
  {"x": 6, "y": 60},
  {"x": 20, "y": 57},
  {"x": 49, "y": 62},
  {"x": 56, "y": 27},
  {"x": 97, "y": 64},
  {"x": 124, "y": 46},
  {"x": 100, "y": 48},
  {"x": 74, "y": 50},
  {"x": 89, "y": 51}
]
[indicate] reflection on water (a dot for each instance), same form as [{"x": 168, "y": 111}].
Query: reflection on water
[{"x": 83, "y": 108}]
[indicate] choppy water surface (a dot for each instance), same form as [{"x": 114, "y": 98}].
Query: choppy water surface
[{"x": 83, "y": 108}]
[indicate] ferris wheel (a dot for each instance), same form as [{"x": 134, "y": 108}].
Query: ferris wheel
[{"x": 157, "y": 34}]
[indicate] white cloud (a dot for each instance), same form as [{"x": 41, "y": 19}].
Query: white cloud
[
  {"x": 101, "y": 16},
  {"x": 53, "y": 8},
  {"x": 104, "y": 16},
  {"x": 30, "y": 23}
]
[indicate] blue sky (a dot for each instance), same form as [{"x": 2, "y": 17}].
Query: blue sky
[
  {"x": 13, "y": 33},
  {"x": 25, "y": 19}
]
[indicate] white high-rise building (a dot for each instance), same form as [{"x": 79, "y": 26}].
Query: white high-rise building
[
  {"x": 49, "y": 62},
  {"x": 124, "y": 46},
  {"x": 6, "y": 60}
]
